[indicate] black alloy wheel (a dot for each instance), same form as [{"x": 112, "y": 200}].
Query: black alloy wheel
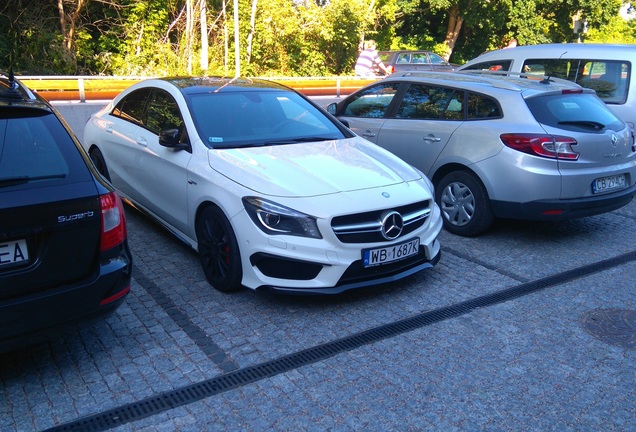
[
  {"x": 98, "y": 160},
  {"x": 218, "y": 250}
]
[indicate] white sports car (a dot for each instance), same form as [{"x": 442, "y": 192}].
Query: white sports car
[{"x": 273, "y": 192}]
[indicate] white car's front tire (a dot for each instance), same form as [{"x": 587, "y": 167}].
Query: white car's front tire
[{"x": 218, "y": 250}]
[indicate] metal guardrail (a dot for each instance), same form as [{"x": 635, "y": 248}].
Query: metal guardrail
[{"x": 88, "y": 88}]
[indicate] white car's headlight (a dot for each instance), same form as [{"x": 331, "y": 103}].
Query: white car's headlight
[{"x": 275, "y": 219}]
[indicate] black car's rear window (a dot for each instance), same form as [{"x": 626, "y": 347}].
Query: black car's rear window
[
  {"x": 36, "y": 149},
  {"x": 574, "y": 111}
]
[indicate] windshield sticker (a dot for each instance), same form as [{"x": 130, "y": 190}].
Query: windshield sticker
[{"x": 215, "y": 139}]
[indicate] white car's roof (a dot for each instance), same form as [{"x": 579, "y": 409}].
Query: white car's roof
[{"x": 558, "y": 50}]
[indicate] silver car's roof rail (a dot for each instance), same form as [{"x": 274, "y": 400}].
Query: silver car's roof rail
[
  {"x": 517, "y": 82},
  {"x": 545, "y": 79}
]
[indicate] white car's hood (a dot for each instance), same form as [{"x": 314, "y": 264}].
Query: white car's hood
[{"x": 312, "y": 169}]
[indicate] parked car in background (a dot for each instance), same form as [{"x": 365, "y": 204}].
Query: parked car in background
[
  {"x": 274, "y": 193},
  {"x": 608, "y": 69},
  {"x": 495, "y": 146},
  {"x": 402, "y": 61},
  {"x": 64, "y": 257}
]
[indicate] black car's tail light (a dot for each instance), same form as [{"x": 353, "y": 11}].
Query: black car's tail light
[
  {"x": 548, "y": 146},
  {"x": 113, "y": 221}
]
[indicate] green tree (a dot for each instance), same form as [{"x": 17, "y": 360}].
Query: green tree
[
  {"x": 143, "y": 43},
  {"x": 461, "y": 29},
  {"x": 345, "y": 25},
  {"x": 616, "y": 31},
  {"x": 32, "y": 42},
  {"x": 277, "y": 37}
]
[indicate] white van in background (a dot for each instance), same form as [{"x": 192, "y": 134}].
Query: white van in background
[{"x": 606, "y": 68}]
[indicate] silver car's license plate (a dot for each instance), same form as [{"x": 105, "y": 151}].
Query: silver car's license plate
[
  {"x": 12, "y": 252},
  {"x": 374, "y": 257},
  {"x": 605, "y": 184}
]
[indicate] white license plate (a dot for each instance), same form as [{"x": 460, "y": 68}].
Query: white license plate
[
  {"x": 374, "y": 257},
  {"x": 610, "y": 183},
  {"x": 12, "y": 252}
]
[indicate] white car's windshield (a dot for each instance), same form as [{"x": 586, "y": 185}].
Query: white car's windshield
[{"x": 249, "y": 118}]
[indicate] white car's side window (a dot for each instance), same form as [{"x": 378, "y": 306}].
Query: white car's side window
[
  {"x": 607, "y": 77},
  {"x": 163, "y": 112},
  {"x": 494, "y": 65},
  {"x": 132, "y": 107}
]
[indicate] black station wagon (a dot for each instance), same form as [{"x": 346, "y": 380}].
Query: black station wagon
[{"x": 64, "y": 256}]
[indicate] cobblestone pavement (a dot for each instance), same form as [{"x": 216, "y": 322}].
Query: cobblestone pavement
[{"x": 529, "y": 327}]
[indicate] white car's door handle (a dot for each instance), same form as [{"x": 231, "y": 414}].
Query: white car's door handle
[
  {"x": 142, "y": 141},
  {"x": 368, "y": 134},
  {"x": 108, "y": 128},
  {"x": 431, "y": 138}
]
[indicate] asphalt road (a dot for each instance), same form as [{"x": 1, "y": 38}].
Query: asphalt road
[{"x": 529, "y": 327}]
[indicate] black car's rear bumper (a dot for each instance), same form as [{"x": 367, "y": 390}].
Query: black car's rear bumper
[{"x": 32, "y": 318}]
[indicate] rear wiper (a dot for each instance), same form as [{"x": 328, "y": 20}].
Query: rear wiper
[
  {"x": 298, "y": 140},
  {"x": 14, "y": 181},
  {"x": 585, "y": 123}
]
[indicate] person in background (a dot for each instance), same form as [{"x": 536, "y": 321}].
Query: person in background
[
  {"x": 369, "y": 60},
  {"x": 511, "y": 43}
]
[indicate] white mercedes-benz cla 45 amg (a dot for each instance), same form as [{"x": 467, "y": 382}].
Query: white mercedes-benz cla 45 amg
[{"x": 273, "y": 192}]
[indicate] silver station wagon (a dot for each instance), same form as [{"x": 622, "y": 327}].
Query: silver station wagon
[{"x": 517, "y": 147}]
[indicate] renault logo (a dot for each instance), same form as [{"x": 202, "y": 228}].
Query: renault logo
[
  {"x": 614, "y": 139},
  {"x": 392, "y": 225}
]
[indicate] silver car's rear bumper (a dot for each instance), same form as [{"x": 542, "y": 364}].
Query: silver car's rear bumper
[{"x": 556, "y": 210}]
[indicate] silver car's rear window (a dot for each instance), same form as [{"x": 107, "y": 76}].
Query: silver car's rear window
[{"x": 573, "y": 111}]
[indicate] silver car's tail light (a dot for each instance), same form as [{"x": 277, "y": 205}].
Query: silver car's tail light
[{"x": 548, "y": 146}]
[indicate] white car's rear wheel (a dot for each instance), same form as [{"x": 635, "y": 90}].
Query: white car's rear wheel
[
  {"x": 98, "y": 160},
  {"x": 218, "y": 250}
]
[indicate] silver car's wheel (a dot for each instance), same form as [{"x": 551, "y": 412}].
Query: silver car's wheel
[
  {"x": 458, "y": 204},
  {"x": 464, "y": 203}
]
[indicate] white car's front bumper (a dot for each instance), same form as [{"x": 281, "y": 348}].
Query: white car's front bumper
[{"x": 327, "y": 265}]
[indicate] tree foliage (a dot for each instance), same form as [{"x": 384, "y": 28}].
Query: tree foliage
[{"x": 278, "y": 37}]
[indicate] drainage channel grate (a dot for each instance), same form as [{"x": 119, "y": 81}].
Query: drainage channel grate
[{"x": 195, "y": 392}]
